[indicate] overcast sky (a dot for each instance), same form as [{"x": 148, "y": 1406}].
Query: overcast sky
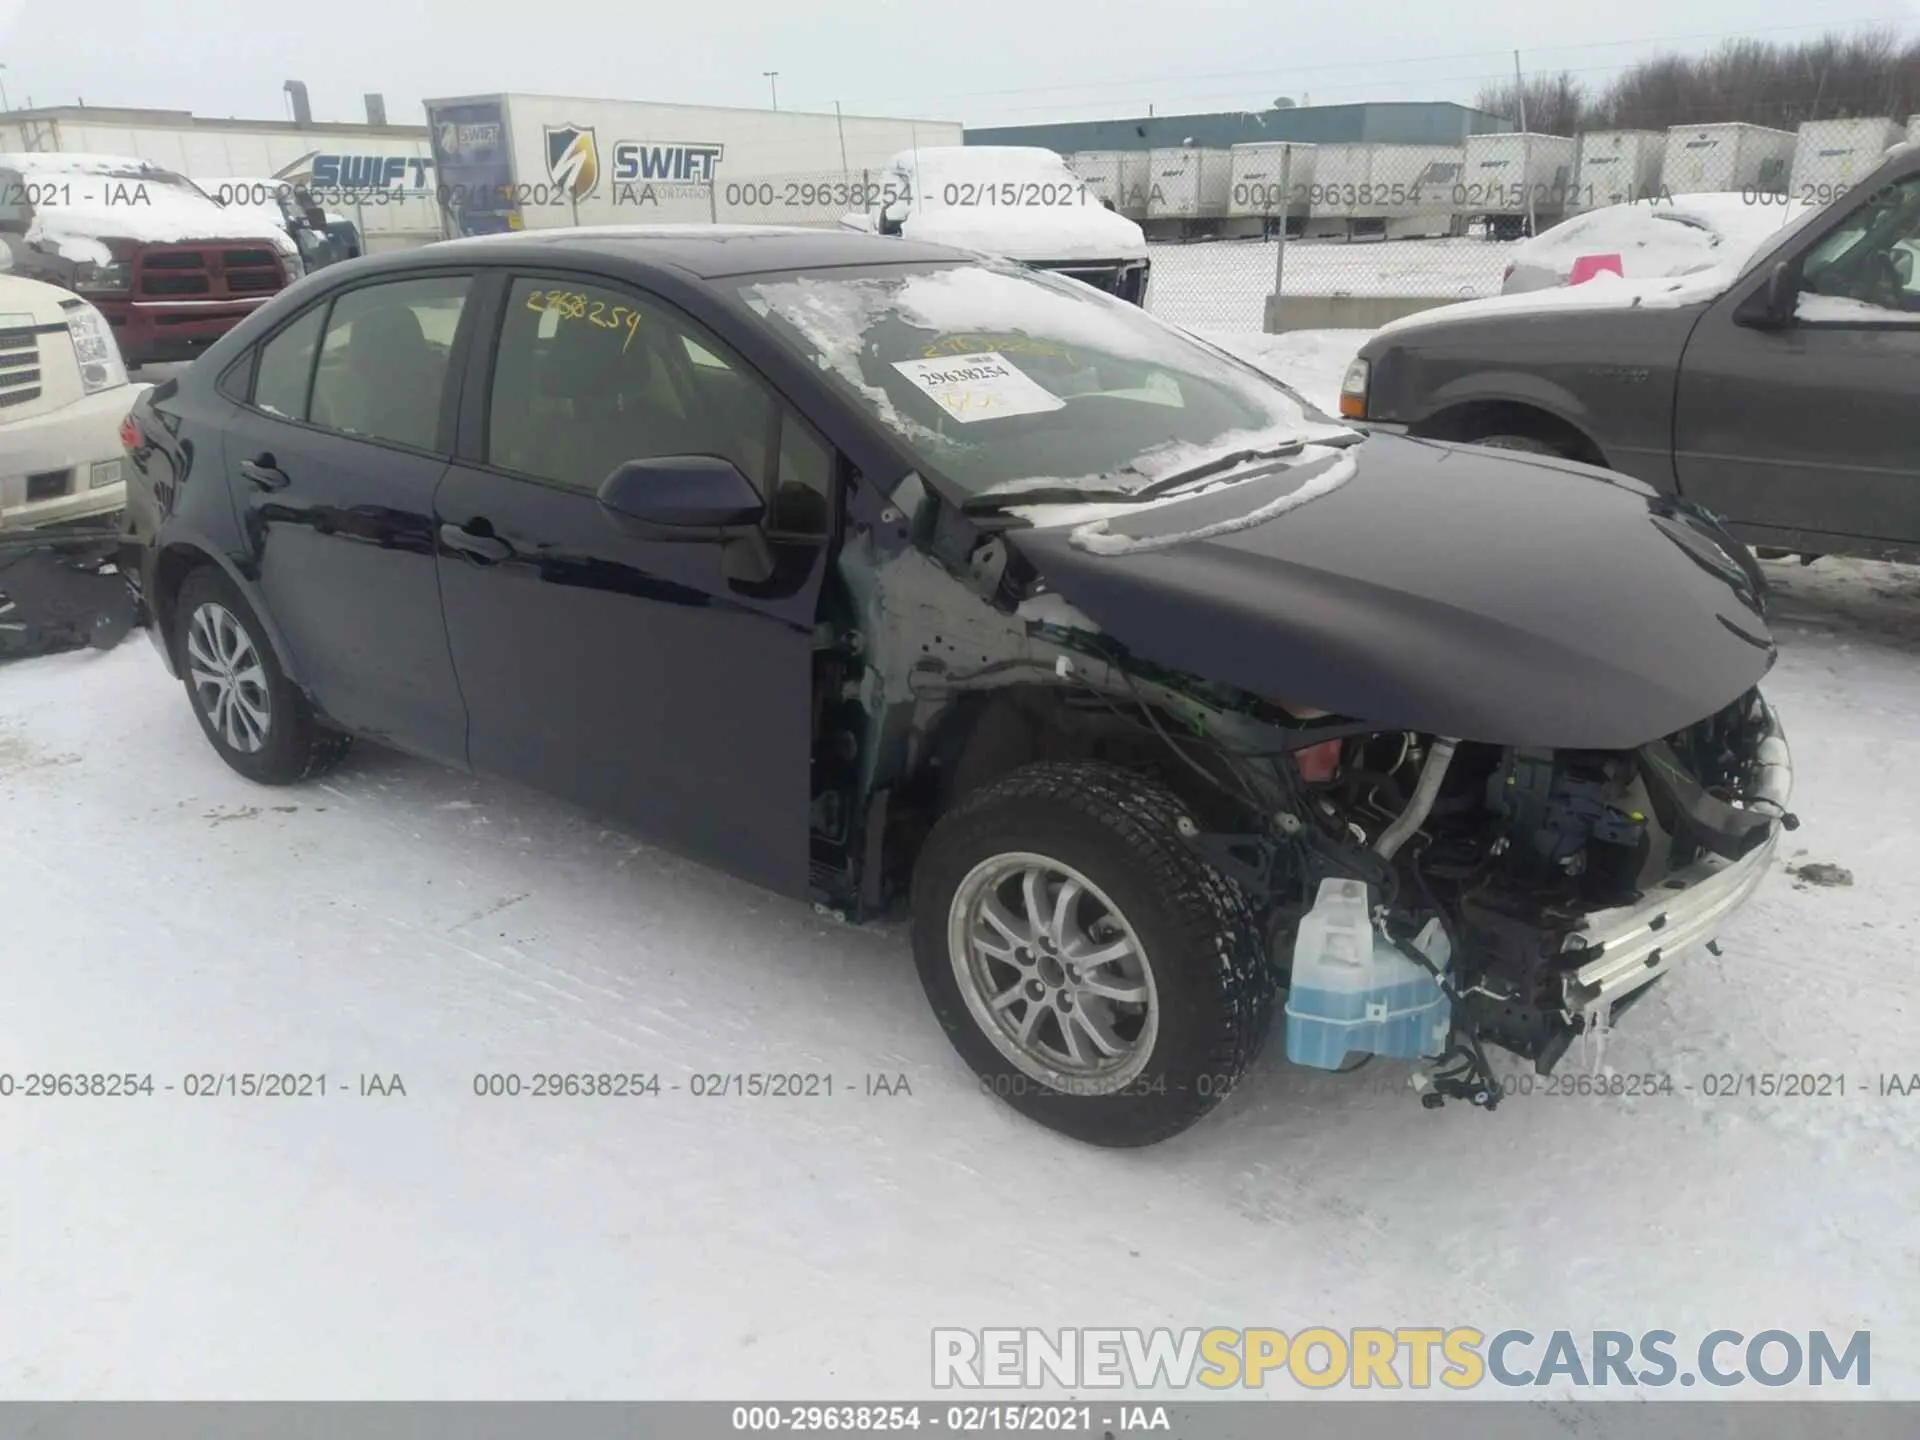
[{"x": 982, "y": 62}]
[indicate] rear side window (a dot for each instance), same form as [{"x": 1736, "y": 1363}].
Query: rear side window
[
  {"x": 382, "y": 367},
  {"x": 286, "y": 367}
]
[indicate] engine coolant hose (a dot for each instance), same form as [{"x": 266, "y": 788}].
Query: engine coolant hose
[{"x": 1433, "y": 772}]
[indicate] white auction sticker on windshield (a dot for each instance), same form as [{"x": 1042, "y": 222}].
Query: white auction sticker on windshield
[{"x": 985, "y": 386}]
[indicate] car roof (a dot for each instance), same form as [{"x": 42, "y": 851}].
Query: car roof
[{"x": 707, "y": 251}]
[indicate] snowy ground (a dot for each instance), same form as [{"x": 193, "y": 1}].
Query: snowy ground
[
  {"x": 161, "y": 915},
  {"x": 1224, "y": 283}
]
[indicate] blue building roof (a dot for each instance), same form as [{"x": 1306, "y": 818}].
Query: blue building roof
[{"x": 1414, "y": 122}]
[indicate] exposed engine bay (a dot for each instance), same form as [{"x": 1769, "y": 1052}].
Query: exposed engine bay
[{"x": 1514, "y": 853}]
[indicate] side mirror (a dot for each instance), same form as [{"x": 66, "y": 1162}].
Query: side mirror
[
  {"x": 1770, "y": 307},
  {"x": 685, "y": 497},
  {"x": 893, "y": 219}
]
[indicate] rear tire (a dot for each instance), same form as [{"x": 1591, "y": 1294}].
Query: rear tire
[
  {"x": 251, "y": 714},
  {"x": 1120, "y": 1051}
]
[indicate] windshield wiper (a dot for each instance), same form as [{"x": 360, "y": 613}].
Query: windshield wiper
[
  {"x": 989, "y": 501},
  {"x": 1160, "y": 485}
]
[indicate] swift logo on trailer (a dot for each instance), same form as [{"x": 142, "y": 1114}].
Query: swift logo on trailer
[
  {"x": 370, "y": 172},
  {"x": 573, "y": 159},
  {"x": 464, "y": 139},
  {"x": 633, "y": 161}
]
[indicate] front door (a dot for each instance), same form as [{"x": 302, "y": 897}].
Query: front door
[
  {"x": 333, "y": 463},
  {"x": 633, "y": 675},
  {"x": 1810, "y": 429}
]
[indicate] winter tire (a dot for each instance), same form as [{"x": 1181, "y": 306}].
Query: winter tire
[
  {"x": 1091, "y": 968},
  {"x": 251, "y": 714}
]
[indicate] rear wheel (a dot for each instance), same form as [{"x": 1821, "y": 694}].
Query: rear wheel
[
  {"x": 247, "y": 708},
  {"x": 1094, "y": 972}
]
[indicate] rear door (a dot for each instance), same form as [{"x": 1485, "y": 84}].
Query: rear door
[
  {"x": 1811, "y": 429},
  {"x": 634, "y": 676},
  {"x": 333, "y": 460}
]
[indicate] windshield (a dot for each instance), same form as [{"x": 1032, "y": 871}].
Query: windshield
[
  {"x": 1794, "y": 227},
  {"x": 1003, "y": 379}
]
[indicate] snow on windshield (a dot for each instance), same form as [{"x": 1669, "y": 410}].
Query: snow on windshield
[{"x": 1167, "y": 402}]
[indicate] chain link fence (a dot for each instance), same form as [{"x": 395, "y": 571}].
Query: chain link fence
[{"x": 1348, "y": 234}]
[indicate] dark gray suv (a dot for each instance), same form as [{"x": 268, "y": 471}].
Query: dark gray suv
[{"x": 1780, "y": 393}]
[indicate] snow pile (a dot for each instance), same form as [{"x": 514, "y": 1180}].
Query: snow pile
[
  {"x": 1097, "y": 538},
  {"x": 82, "y": 199},
  {"x": 1656, "y": 238},
  {"x": 973, "y": 169},
  {"x": 1018, "y": 201}
]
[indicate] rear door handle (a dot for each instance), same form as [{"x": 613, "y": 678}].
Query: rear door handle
[
  {"x": 262, "y": 472},
  {"x": 481, "y": 547}
]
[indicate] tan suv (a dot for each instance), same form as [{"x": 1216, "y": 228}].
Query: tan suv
[{"x": 63, "y": 394}]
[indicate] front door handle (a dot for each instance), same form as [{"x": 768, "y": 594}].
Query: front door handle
[
  {"x": 481, "y": 547},
  {"x": 263, "y": 472}
]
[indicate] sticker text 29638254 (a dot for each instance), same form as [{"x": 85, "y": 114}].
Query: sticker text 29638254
[{"x": 981, "y": 386}]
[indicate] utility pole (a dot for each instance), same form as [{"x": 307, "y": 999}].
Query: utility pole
[
  {"x": 841, "y": 125},
  {"x": 5, "y": 104},
  {"x": 772, "y": 77},
  {"x": 1526, "y": 140}
]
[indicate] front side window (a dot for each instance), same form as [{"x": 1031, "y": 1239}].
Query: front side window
[
  {"x": 591, "y": 376},
  {"x": 382, "y": 370},
  {"x": 1868, "y": 269}
]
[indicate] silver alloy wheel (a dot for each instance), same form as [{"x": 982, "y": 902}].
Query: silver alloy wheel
[
  {"x": 229, "y": 682},
  {"x": 1053, "y": 974}
]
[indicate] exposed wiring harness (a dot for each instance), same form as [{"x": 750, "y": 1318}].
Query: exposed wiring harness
[{"x": 1462, "y": 1070}]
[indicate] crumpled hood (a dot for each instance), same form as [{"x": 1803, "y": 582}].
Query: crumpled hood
[
  {"x": 1441, "y": 588},
  {"x": 1032, "y": 233}
]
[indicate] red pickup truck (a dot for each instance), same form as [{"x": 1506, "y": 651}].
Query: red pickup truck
[{"x": 169, "y": 267}]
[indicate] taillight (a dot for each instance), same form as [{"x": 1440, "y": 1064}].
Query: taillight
[
  {"x": 1507, "y": 274},
  {"x": 129, "y": 434}
]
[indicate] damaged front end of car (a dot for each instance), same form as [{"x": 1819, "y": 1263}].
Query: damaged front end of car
[
  {"x": 1561, "y": 884},
  {"x": 1424, "y": 897}
]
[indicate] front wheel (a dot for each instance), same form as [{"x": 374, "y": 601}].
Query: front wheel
[{"x": 1090, "y": 967}]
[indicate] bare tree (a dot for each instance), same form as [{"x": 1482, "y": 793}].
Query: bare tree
[
  {"x": 1834, "y": 77},
  {"x": 1555, "y": 104}
]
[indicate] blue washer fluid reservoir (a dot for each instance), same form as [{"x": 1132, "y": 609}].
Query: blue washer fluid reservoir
[{"x": 1353, "y": 990}]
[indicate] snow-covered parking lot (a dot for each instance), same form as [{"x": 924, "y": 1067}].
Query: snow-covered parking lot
[{"x": 400, "y": 928}]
